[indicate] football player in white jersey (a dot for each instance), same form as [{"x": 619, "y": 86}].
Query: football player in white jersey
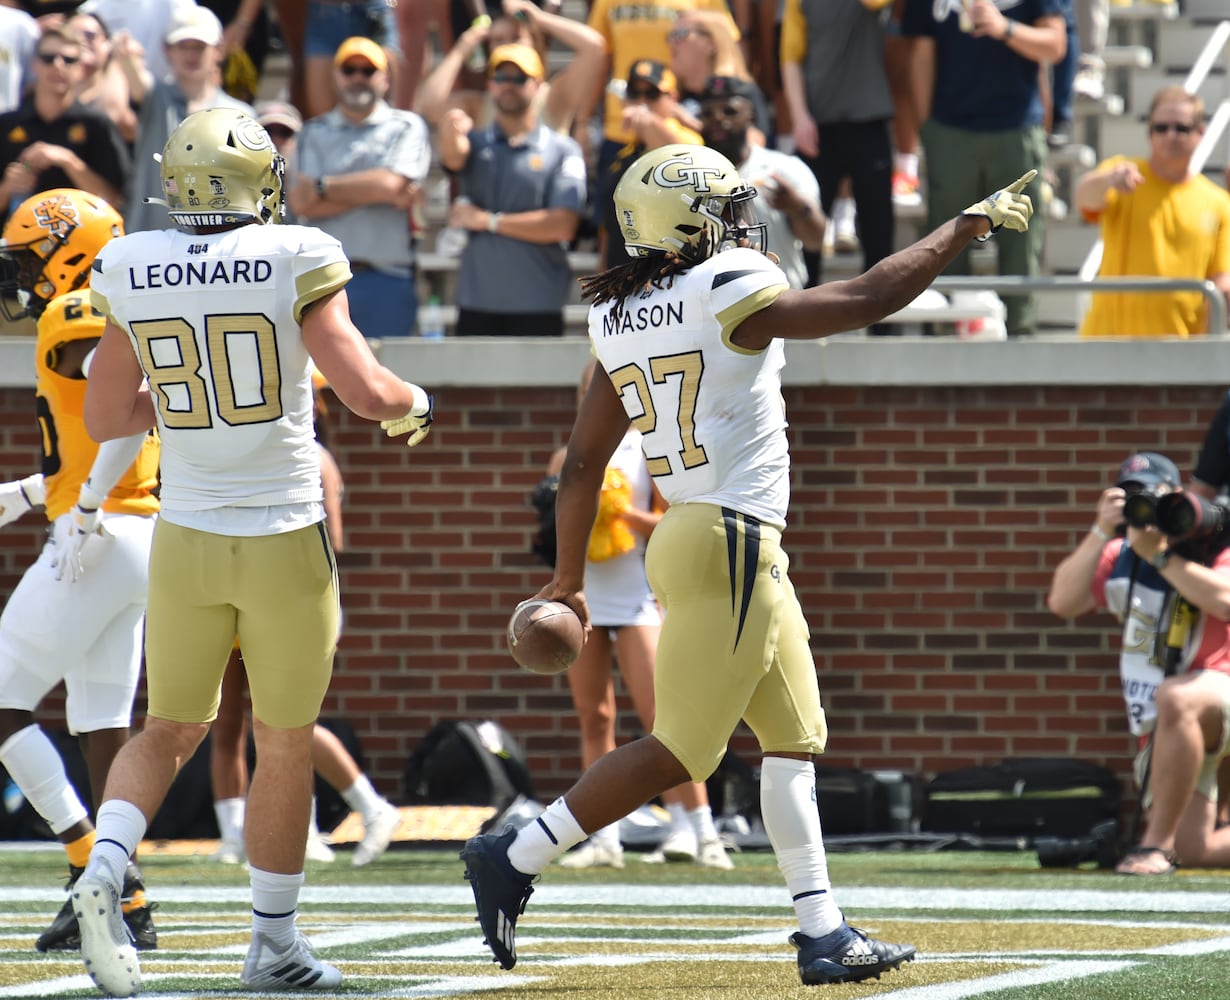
[
  {"x": 688, "y": 337},
  {"x": 224, "y": 317},
  {"x": 103, "y": 495}
]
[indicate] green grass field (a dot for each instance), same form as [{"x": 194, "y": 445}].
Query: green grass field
[{"x": 987, "y": 925}]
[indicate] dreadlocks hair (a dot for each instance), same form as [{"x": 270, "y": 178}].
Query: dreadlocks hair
[{"x": 641, "y": 274}]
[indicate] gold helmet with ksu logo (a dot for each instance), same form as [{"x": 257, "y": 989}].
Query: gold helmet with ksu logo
[
  {"x": 48, "y": 245},
  {"x": 672, "y": 196},
  {"x": 220, "y": 168}
]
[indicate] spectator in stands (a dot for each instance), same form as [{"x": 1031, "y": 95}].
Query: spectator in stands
[
  {"x": 329, "y": 24},
  {"x": 524, "y": 188},
  {"x": 1092, "y": 24},
  {"x": 633, "y": 30},
  {"x": 18, "y": 38},
  {"x": 1060, "y": 83},
  {"x": 976, "y": 73},
  {"x": 557, "y": 100},
  {"x": 654, "y": 117},
  {"x": 627, "y": 621},
  {"x": 193, "y": 49},
  {"x": 1174, "y": 601},
  {"x": 146, "y": 22},
  {"x": 788, "y": 196},
  {"x": 835, "y": 83},
  {"x": 52, "y": 141},
  {"x": 1159, "y": 218},
  {"x": 703, "y": 44},
  {"x": 897, "y": 67},
  {"x": 245, "y": 44},
  {"x": 104, "y": 87},
  {"x": 351, "y": 166}
]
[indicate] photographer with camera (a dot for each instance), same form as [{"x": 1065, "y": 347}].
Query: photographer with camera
[{"x": 1159, "y": 559}]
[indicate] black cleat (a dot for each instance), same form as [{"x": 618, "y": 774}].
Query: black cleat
[
  {"x": 140, "y": 920},
  {"x": 847, "y": 955},
  {"x": 63, "y": 935},
  {"x": 500, "y": 892}
]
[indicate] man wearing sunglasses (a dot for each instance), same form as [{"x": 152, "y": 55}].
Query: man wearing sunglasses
[
  {"x": 523, "y": 189},
  {"x": 1159, "y": 218},
  {"x": 357, "y": 173},
  {"x": 52, "y": 141}
]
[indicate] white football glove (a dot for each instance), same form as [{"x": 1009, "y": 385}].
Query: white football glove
[
  {"x": 79, "y": 527},
  {"x": 19, "y": 496},
  {"x": 1006, "y": 207},
  {"x": 417, "y": 422}
]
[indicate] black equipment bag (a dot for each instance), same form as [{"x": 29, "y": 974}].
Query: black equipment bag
[
  {"x": 1022, "y": 797},
  {"x": 467, "y": 763},
  {"x": 851, "y": 801}
]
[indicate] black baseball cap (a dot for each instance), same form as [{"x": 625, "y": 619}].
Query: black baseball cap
[
  {"x": 1148, "y": 468},
  {"x": 722, "y": 87}
]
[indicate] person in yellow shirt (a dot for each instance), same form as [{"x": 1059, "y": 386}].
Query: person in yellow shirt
[{"x": 1160, "y": 219}]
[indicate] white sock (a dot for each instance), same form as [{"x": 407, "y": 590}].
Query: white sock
[
  {"x": 843, "y": 211},
  {"x": 608, "y": 835},
  {"x": 907, "y": 163},
  {"x": 38, "y": 769},
  {"x": 701, "y": 819},
  {"x": 121, "y": 825},
  {"x": 788, "y": 808},
  {"x": 275, "y": 898},
  {"x": 363, "y": 798},
  {"x": 679, "y": 818},
  {"x": 229, "y": 813},
  {"x": 541, "y": 841}
]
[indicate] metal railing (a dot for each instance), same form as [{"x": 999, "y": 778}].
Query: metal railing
[
  {"x": 1013, "y": 284},
  {"x": 1218, "y": 123}
]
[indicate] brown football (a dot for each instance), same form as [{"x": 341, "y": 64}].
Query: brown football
[{"x": 545, "y": 637}]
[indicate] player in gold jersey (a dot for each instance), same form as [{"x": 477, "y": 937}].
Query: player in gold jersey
[{"x": 76, "y": 616}]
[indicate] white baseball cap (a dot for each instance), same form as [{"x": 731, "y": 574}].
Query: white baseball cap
[{"x": 196, "y": 24}]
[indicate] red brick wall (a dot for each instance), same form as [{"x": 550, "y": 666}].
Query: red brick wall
[{"x": 925, "y": 526}]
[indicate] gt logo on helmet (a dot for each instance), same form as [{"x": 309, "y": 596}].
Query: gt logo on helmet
[{"x": 682, "y": 173}]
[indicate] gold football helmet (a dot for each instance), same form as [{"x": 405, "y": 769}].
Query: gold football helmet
[
  {"x": 48, "y": 245},
  {"x": 219, "y": 167},
  {"x": 672, "y": 195}
]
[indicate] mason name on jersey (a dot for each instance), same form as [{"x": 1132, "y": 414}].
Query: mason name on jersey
[{"x": 653, "y": 316}]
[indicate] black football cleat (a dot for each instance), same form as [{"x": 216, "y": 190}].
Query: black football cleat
[
  {"x": 63, "y": 935},
  {"x": 500, "y": 892},
  {"x": 846, "y": 955}
]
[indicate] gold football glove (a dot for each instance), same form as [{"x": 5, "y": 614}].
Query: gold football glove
[
  {"x": 417, "y": 422},
  {"x": 1007, "y": 207}
]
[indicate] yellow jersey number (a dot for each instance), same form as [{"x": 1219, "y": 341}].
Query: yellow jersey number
[
  {"x": 177, "y": 377},
  {"x": 687, "y": 368}
]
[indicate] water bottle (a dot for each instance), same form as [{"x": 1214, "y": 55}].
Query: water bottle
[{"x": 431, "y": 319}]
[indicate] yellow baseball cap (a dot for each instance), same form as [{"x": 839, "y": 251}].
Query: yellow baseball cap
[
  {"x": 524, "y": 57},
  {"x": 363, "y": 48}
]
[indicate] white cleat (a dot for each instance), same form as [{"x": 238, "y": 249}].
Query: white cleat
[
  {"x": 681, "y": 845},
  {"x": 317, "y": 850},
  {"x": 594, "y": 854},
  {"x": 377, "y": 832},
  {"x": 230, "y": 852},
  {"x": 296, "y": 968},
  {"x": 106, "y": 948},
  {"x": 713, "y": 854}
]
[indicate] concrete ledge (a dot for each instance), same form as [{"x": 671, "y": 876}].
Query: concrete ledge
[{"x": 849, "y": 359}]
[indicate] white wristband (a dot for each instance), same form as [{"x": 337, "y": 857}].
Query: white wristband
[
  {"x": 1097, "y": 532},
  {"x": 422, "y": 401}
]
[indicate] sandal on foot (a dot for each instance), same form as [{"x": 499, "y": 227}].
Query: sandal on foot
[{"x": 1141, "y": 861}]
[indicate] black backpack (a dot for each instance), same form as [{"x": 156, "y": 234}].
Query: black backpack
[{"x": 467, "y": 763}]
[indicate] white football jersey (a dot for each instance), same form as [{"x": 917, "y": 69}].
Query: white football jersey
[
  {"x": 214, "y": 321},
  {"x": 711, "y": 414}
]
